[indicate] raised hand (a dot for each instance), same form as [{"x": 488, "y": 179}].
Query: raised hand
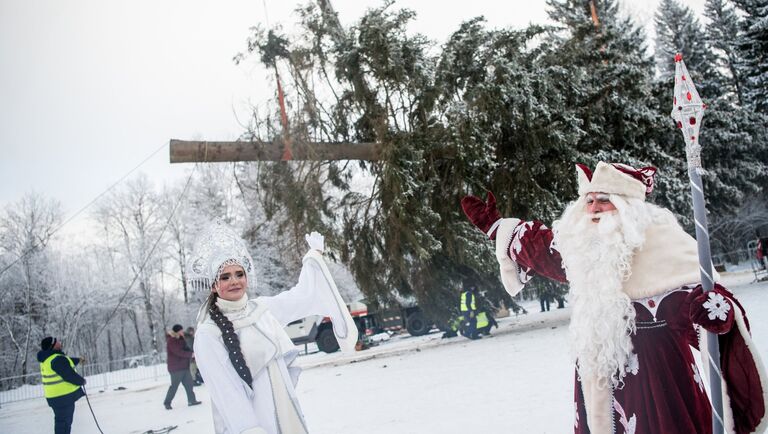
[
  {"x": 712, "y": 310},
  {"x": 482, "y": 214},
  {"x": 315, "y": 241}
]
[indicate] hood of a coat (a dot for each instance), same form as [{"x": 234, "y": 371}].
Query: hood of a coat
[{"x": 44, "y": 354}]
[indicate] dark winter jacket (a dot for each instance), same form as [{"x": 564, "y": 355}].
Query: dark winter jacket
[
  {"x": 61, "y": 366},
  {"x": 178, "y": 353},
  {"x": 189, "y": 340}
]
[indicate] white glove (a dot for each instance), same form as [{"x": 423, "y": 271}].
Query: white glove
[{"x": 315, "y": 241}]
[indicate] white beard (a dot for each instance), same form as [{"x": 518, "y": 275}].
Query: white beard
[{"x": 597, "y": 258}]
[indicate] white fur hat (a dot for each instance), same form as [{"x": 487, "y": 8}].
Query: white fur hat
[{"x": 614, "y": 178}]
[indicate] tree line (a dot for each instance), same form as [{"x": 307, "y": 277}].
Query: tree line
[{"x": 506, "y": 110}]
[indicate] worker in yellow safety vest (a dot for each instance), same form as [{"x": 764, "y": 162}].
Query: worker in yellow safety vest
[
  {"x": 483, "y": 325},
  {"x": 468, "y": 308},
  {"x": 485, "y": 321},
  {"x": 61, "y": 383}
]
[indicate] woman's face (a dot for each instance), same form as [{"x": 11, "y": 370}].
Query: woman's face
[{"x": 232, "y": 283}]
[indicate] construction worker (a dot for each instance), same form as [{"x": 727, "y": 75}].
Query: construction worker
[
  {"x": 452, "y": 328},
  {"x": 485, "y": 322},
  {"x": 61, "y": 383},
  {"x": 468, "y": 308}
]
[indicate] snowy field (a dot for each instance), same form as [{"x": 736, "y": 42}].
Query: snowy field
[{"x": 518, "y": 381}]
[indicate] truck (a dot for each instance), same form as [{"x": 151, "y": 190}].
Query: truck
[{"x": 319, "y": 330}]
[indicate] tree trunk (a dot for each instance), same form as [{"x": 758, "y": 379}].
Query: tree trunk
[
  {"x": 182, "y": 267},
  {"x": 132, "y": 316},
  {"x": 110, "y": 356},
  {"x": 183, "y": 151},
  {"x": 9, "y": 326},
  {"x": 146, "y": 292},
  {"x": 29, "y": 319},
  {"x": 122, "y": 338}
]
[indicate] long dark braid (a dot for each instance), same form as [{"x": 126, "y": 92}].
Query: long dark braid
[{"x": 231, "y": 341}]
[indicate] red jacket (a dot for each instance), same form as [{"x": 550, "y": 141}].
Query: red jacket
[{"x": 178, "y": 353}]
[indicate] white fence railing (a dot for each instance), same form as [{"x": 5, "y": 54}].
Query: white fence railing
[
  {"x": 742, "y": 260},
  {"x": 735, "y": 259},
  {"x": 99, "y": 376}
]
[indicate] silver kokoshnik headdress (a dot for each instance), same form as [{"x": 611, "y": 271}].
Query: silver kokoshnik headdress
[{"x": 217, "y": 247}]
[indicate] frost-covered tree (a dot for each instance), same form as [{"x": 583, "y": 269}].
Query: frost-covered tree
[
  {"x": 748, "y": 222},
  {"x": 753, "y": 52},
  {"x": 82, "y": 297},
  {"x": 403, "y": 234},
  {"x": 179, "y": 233},
  {"x": 732, "y": 146},
  {"x": 507, "y": 114},
  {"x": 229, "y": 193},
  {"x": 134, "y": 218},
  {"x": 26, "y": 228},
  {"x": 505, "y": 110},
  {"x": 678, "y": 31},
  {"x": 722, "y": 34},
  {"x": 610, "y": 90}
]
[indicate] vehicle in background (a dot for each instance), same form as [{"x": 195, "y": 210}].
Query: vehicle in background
[{"x": 319, "y": 330}]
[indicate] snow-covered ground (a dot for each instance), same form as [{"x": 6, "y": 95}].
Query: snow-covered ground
[{"x": 518, "y": 381}]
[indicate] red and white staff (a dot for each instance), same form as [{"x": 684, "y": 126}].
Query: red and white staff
[{"x": 687, "y": 111}]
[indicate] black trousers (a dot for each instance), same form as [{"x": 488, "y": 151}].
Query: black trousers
[
  {"x": 62, "y": 417},
  {"x": 544, "y": 301},
  {"x": 185, "y": 378},
  {"x": 471, "y": 325}
]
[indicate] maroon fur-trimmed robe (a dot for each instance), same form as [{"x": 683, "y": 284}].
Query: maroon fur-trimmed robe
[{"x": 663, "y": 393}]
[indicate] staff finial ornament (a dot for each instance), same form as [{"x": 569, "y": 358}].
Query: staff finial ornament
[{"x": 687, "y": 111}]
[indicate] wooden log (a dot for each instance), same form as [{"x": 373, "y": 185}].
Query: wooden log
[{"x": 191, "y": 151}]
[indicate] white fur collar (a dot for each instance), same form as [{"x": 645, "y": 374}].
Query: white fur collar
[
  {"x": 668, "y": 259},
  {"x": 227, "y": 307},
  {"x": 173, "y": 334}
]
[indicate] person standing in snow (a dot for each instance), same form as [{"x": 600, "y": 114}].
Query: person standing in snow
[
  {"x": 544, "y": 299},
  {"x": 468, "y": 309},
  {"x": 189, "y": 339},
  {"x": 179, "y": 356},
  {"x": 61, "y": 383},
  {"x": 638, "y": 308},
  {"x": 241, "y": 346}
]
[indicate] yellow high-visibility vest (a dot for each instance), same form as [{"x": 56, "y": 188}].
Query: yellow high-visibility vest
[
  {"x": 482, "y": 320},
  {"x": 464, "y": 306},
  {"x": 53, "y": 385},
  {"x": 455, "y": 323}
]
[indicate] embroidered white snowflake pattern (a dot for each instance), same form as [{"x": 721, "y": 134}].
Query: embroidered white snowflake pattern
[
  {"x": 520, "y": 231},
  {"x": 633, "y": 364},
  {"x": 576, "y": 420},
  {"x": 697, "y": 377},
  {"x": 717, "y": 306},
  {"x": 524, "y": 274},
  {"x": 629, "y": 425}
]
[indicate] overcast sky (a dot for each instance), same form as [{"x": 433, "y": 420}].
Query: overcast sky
[{"x": 90, "y": 88}]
